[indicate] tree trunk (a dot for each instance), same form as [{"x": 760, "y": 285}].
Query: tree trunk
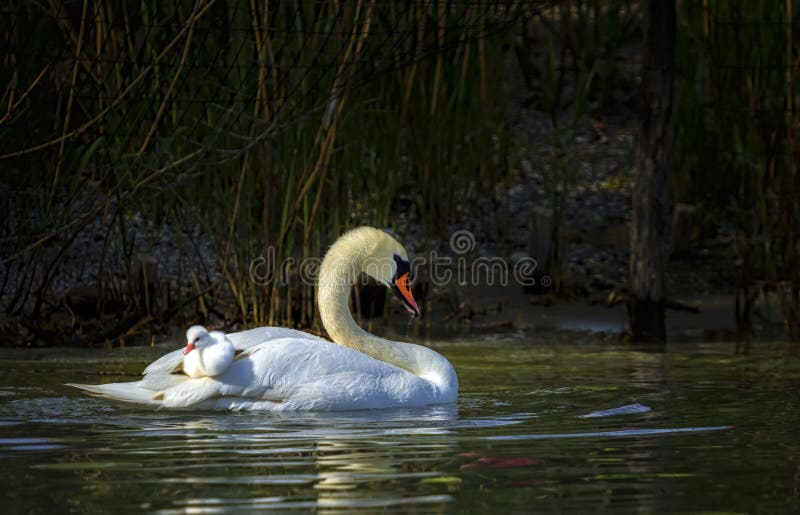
[{"x": 653, "y": 167}]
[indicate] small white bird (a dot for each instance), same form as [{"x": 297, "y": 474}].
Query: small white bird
[{"x": 207, "y": 354}]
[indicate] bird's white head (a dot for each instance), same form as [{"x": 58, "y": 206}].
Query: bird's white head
[
  {"x": 373, "y": 252},
  {"x": 388, "y": 264},
  {"x": 195, "y": 336}
]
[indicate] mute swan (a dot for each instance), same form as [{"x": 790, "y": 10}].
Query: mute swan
[
  {"x": 206, "y": 354},
  {"x": 281, "y": 369}
]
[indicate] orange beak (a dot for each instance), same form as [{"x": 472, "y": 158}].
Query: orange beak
[
  {"x": 403, "y": 291},
  {"x": 189, "y": 348}
]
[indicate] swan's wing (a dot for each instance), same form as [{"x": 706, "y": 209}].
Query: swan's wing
[
  {"x": 242, "y": 341},
  {"x": 193, "y": 391},
  {"x": 307, "y": 374},
  {"x": 164, "y": 372},
  {"x": 166, "y": 364},
  {"x": 159, "y": 381},
  {"x": 252, "y": 337}
]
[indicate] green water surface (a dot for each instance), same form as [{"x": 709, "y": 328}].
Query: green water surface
[{"x": 577, "y": 426}]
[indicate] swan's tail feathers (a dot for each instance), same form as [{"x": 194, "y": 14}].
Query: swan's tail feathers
[{"x": 123, "y": 392}]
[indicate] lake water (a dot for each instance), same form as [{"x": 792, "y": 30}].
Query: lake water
[{"x": 573, "y": 426}]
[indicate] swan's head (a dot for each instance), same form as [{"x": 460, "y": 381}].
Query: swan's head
[
  {"x": 195, "y": 337},
  {"x": 388, "y": 264},
  {"x": 372, "y": 252}
]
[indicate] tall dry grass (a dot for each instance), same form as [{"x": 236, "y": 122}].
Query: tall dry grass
[{"x": 205, "y": 133}]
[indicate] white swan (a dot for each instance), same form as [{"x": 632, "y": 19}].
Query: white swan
[
  {"x": 284, "y": 369},
  {"x": 206, "y": 354}
]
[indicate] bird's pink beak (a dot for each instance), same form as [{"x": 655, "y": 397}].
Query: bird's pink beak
[{"x": 189, "y": 348}]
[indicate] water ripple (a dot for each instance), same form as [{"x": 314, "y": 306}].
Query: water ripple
[
  {"x": 604, "y": 434},
  {"x": 621, "y": 410}
]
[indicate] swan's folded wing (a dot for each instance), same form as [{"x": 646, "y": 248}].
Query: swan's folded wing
[
  {"x": 157, "y": 381},
  {"x": 252, "y": 337},
  {"x": 166, "y": 364},
  {"x": 243, "y": 341},
  {"x": 193, "y": 391}
]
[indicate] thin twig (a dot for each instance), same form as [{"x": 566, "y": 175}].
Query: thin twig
[{"x": 32, "y": 85}]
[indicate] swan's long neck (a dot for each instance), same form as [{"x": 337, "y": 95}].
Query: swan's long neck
[{"x": 339, "y": 271}]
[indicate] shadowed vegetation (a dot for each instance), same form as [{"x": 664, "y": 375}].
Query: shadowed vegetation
[
  {"x": 215, "y": 131},
  {"x": 151, "y": 151}
]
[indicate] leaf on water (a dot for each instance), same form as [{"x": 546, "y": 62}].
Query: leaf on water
[{"x": 447, "y": 480}]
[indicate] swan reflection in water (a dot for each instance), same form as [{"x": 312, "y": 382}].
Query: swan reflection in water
[{"x": 347, "y": 458}]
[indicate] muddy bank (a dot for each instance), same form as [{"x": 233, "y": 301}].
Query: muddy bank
[{"x": 492, "y": 310}]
